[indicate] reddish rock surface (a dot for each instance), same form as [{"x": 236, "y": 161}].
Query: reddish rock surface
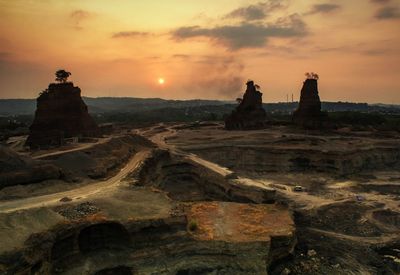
[
  {"x": 250, "y": 113},
  {"x": 309, "y": 111},
  {"x": 60, "y": 113}
]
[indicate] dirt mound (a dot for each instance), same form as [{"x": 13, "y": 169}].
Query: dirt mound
[
  {"x": 101, "y": 160},
  {"x": 15, "y": 169},
  {"x": 10, "y": 160}
]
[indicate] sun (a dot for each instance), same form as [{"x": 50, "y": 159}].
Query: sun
[{"x": 161, "y": 81}]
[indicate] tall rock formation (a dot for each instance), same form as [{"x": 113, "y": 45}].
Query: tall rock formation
[
  {"x": 249, "y": 114},
  {"x": 60, "y": 113},
  {"x": 309, "y": 114}
]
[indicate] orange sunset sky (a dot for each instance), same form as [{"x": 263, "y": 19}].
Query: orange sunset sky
[{"x": 202, "y": 49}]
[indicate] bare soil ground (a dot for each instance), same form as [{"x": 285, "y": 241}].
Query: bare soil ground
[
  {"x": 239, "y": 222},
  {"x": 347, "y": 217},
  {"x": 346, "y": 223}
]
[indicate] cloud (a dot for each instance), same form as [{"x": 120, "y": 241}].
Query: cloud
[
  {"x": 388, "y": 12},
  {"x": 129, "y": 34},
  {"x": 216, "y": 75},
  {"x": 323, "y": 8},
  {"x": 77, "y": 16},
  {"x": 246, "y": 35},
  {"x": 380, "y": 1},
  {"x": 255, "y": 12},
  {"x": 182, "y": 56}
]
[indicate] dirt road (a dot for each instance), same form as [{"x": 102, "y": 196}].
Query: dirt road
[
  {"x": 78, "y": 147},
  {"x": 160, "y": 139},
  {"x": 75, "y": 194}
]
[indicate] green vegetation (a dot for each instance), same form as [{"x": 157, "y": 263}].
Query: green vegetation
[
  {"x": 357, "y": 118},
  {"x": 14, "y": 126},
  {"x": 62, "y": 76},
  {"x": 193, "y": 225},
  {"x": 361, "y": 121}
]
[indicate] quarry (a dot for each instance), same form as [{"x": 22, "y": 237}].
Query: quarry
[
  {"x": 197, "y": 199},
  {"x": 243, "y": 196}
]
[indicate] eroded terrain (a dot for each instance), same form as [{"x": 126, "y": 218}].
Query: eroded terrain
[
  {"x": 161, "y": 212},
  {"x": 348, "y": 211},
  {"x": 196, "y": 199}
]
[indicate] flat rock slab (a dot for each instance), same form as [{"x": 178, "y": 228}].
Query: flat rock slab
[{"x": 237, "y": 222}]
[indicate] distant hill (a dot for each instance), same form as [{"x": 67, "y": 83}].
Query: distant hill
[
  {"x": 99, "y": 105},
  {"x": 132, "y": 105},
  {"x": 9, "y": 107},
  {"x": 17, "y": 106}
]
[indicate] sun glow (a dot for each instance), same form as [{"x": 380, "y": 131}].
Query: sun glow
[{"x": 161, "y": 81}]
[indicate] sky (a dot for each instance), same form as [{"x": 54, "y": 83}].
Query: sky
[{"x": 208, "y": 49}]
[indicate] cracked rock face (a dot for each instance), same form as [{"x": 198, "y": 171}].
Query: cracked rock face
[
  {"x": 250, "y": 113},
  {"x": 60, "y": 113}
]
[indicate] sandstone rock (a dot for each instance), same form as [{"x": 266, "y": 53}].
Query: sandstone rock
[
  {"x": 309, "y": 112},
  {"x": 250, "y": 113},
  {"x": 60, "y": 113}
]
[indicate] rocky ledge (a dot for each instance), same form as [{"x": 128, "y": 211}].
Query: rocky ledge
[{"x": 145, "y": 227}]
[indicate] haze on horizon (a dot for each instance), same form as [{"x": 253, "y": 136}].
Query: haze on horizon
[{"x": 202, "y": 49}]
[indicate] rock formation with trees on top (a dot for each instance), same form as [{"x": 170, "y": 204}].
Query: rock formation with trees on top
[
  {"x": 62, "y": 76},
  {"x": 60, "y": 113},
  {"x": 309, "y": 113},
  {"x": 249, "y": 114}
]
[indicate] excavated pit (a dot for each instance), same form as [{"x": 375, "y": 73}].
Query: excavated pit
[
  {"x": 172, "y": 216},
  {"x": 253, "y": 160},
  {"x": 346, "y": 209},
  {"x": 103, "y": 236},
  {"x": 286, "y": 150},
  {"x": 176, "y": 215},
  {"x": 184, "y": 180}
]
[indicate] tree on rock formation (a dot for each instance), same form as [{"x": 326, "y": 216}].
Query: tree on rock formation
[
  {"x": 62, "y": 76},
  {"x": 312, "y": 75}
]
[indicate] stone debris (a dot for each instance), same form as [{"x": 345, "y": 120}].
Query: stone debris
[
  {"x": 79, "y": 211},
  {"x": 65, "y": 199}
]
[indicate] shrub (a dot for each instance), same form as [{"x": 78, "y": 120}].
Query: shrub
[{"x": 193, "y": 225}]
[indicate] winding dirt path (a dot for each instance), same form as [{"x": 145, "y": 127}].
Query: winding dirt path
[
  {"x": 79, "y": 147},
  {"x": 160, "y": 138},
  {"x": 78, "y": 193},
  {"x": 369, "y": 240}
]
